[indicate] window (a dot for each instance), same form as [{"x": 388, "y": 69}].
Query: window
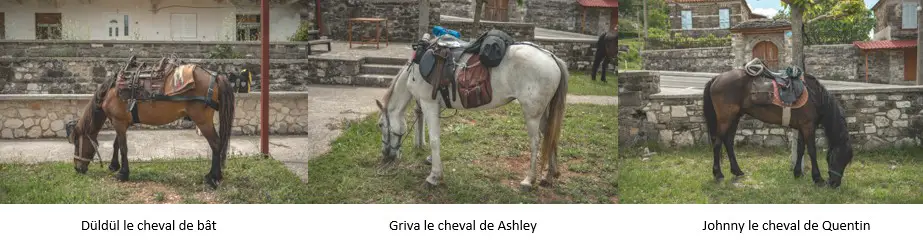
[
  {"x": 118, "y": 25},
  {"x": 183, "y": 26},
  {"x": 687, "y": 20},
  {"x": 125, "y": 22},
  {"x": 2, "y": 26},
  {"x": 47, "y": 26},
  {"x": 724, "y": 18},
  {"x": 909, "y": 15},
  {"x": 248, "y": 27}
]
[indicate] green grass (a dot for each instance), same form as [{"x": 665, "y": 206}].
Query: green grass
[
  {"x": 632, "y": 59},
  {"x": 246, "y": 180},
  {"x": 485, "y": 156},
  {"x": 685, "y": 176},
  {"x": 580, "y": 83}
]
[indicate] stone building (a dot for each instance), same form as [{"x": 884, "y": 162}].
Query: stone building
[
  {"x": 697, "y": 18},
  {"x": 764, "y": 39},
  {"x": 584, "y": 16},
  {"x": 892, "y": 54},
  {"x": 161, "y": 20}
]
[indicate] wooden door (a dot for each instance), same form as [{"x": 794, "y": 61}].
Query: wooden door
[
  {"x": 497, "y": 10},
  {"x": 614, "y": 20},
  {"x": 769, "y": 53},
  {"x": 910, "y": 64}
]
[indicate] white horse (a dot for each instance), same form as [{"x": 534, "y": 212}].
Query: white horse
[{"x": 534, "y": 76}]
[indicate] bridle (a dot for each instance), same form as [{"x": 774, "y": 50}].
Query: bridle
[
  {"x": 400, "y": 136},
  {"x": 95, "y": 147}
]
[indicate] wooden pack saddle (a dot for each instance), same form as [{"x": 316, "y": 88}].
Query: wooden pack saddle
[
  {"x": 140, "y": 81},
  {"x": 786, "y": 89},
  {"x": 453, "y": 72}
]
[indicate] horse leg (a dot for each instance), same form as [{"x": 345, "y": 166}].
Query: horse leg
[
  {"x": 120, "y": 131},
  {"x": 799, "y": 157},
  {"x": 729, "y": 144},
  {"x": 533, "y": 124},
  {"x": 552, "y": 160},
  {"x": 114, "y": 164},
  {"x": 808, "y": 135},
  {"x": 207, "y": 127},
  {"x": 431, "y": 114},
  {"x": 597, "y": 59},
  {"x": 605, "y": 68}
]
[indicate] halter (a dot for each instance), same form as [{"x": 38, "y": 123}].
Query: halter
[
  {"x": 400, "y": 136},
  {"x": 90, "y": 160}
]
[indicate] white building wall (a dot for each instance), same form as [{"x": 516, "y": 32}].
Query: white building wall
[{"x": 81, "y": 21}]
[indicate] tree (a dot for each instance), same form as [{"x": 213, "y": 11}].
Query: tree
[{"x": 816, "y": 10}]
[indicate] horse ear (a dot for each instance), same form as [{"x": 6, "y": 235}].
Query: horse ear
[{"x": 379, "y": 105}]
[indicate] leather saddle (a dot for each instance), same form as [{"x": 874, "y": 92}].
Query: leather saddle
[
  {"x": 785, "y": 89},
  {"x": 453, "y": 73},
  {"x": 143, "y": 81}
]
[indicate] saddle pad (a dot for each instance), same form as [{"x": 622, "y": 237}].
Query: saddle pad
[
  {"x": 427, "y": 62},
  {"x": 802, "y": 99},
  {"x": 180, "y": 81},
  {"x": 473, "y": 78}
]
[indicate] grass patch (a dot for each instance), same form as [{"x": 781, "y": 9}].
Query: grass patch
[
  {"x": 632, "y": 59},
  {"x": 246, "y": 180},
  {"x": 685, "y": 176},
  {"x": 485, "y": 155},
  {"x": 580, "y": 83}
]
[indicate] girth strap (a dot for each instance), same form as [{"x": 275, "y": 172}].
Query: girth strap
[{"x": 786, "y": 115}]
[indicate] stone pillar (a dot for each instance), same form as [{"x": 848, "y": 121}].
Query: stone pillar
[{"x": 635, "y": 89}]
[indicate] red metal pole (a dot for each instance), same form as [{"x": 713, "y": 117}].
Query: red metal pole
[{"x": 264, "y": 77}]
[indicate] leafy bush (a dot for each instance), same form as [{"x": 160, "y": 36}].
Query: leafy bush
[
  {"x": 223, "y": 52},
  {"x": 302, "y": 33}
]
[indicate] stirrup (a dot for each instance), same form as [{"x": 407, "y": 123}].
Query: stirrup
[{"x": 755, "y": 67}]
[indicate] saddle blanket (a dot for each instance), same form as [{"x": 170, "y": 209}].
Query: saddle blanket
[
  {"x": 795, "y": 96},
  {"x": 180, "y": 81}
]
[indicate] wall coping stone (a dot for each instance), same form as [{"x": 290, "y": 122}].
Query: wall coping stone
[
  {"x": 520, "y": 24},
  {"x": 850, "y": 90},
  {"x": 190, "y": 60},
  {"x": 293, "y": 43},
  {"x": 564, "y": 39},
  {"x": 688, "y": 49}
]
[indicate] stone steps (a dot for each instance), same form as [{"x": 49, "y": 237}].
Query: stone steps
[
  {"x": 385, "y": 60},
  {"x": 374, "y": 80},
  {"x": 382, "y": 69}
]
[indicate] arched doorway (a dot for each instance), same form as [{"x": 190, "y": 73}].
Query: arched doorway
[{"x": 768, "y": 52}]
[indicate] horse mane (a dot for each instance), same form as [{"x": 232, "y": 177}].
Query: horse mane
[
  {"x": 832, "y": 117},
  {"x": 93, "y": 115},
  {"x": 387, "y": 96}
]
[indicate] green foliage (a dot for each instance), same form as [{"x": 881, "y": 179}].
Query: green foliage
[
  {"x": 302, "y": 33},
  {"x": 631, "y": 60},
  {"x": 833, "y": 22},
  {"x": 223, "y": 51}
]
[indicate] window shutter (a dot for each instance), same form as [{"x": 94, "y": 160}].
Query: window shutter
[
  {"x": 724, "y": 20},
  {"x": 909, "y": 15},
  {"x": 687, "y": 20}
]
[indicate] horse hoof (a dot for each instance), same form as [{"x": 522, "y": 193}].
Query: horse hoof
[
  {"x": 429, "y": 160},
  {"x": 719, "y": 179},
  {"x": 799, "y": 174},
  {"x": 432, "y": 181},
  {"x": 114, "y": 168},
  {"x": 212, "y": 182},
  {"x": 819, "y": 182},
  {"x": 545, "y": 183},
  {"x": 739, "y": 174},
  {"x": 122, "y": 177},
  {"x": 525, "y": 187}
]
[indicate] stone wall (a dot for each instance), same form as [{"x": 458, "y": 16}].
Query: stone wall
[
  {"x": 82, "y": 75},
  {"x": 554, "y": 14},
  {"x": 714, "y": 60},
  {"x": 519, "y": 31},
  {"x": 43, "y": 116},
  {"x": 834, "y": 62},
  {"x": 577, "y": 53},
  {"x": 149, "y": 49},
  {"x": 889, "y": 16},
  {"x": 457, "y": 8},
  {"x": 883, "y": 117},
  {"x": 403, "y": 17}
]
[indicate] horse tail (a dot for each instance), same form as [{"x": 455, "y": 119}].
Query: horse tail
[
  {"x": 555, "y": 115},
  {"x": 711, "y": 117},
  {"x": 225, "y": 117}
]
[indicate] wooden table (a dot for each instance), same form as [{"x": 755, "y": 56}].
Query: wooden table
[{"x": 378, "y": 28}]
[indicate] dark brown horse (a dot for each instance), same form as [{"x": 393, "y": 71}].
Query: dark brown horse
[
  {"x": 727, "y": 99},
  {"x": 199, "y": 104},
  {"x": 607, "y": 48}
]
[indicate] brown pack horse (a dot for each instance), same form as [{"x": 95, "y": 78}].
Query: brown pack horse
[
  {"x": 199, "y": 104},
  {"x": 607, "y": 48},
  {"x": 727, "y": 99}
]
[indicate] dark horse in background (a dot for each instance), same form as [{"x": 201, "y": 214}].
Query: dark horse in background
[
  {"x": 728, "y": 98},
  {"x": 607, "y": 48}
]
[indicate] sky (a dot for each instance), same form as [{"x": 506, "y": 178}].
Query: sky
[{"x": 769, "y": 8}]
